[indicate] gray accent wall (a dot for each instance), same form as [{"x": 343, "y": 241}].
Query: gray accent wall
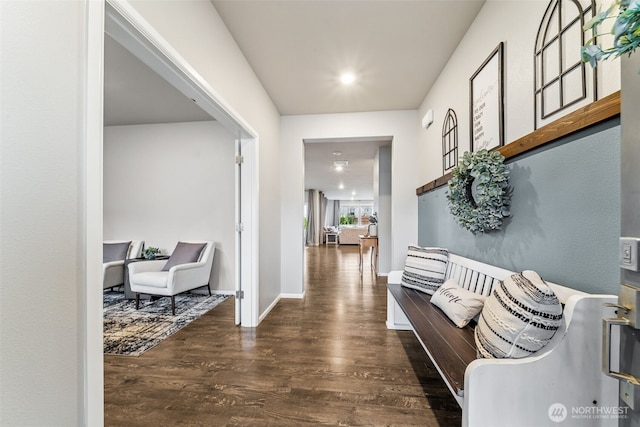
[{"x": 565, "y": 214}]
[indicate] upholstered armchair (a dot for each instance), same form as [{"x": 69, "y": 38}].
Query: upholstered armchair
[
  {"x": 114, "y": 252},
  {"x": 189, "y": 267}
]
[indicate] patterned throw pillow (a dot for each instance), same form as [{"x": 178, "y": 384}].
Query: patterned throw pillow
[
  {"x": 459, "y": 304},
  {"x": 519, "y": 318},
  {"x": 425, "y": 268}
]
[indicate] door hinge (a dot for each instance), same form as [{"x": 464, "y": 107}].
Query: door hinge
[
  {"x": 239, "y": 227},
  {"x": 239, "y": 160},
  {"x": 239, "y": 294}
]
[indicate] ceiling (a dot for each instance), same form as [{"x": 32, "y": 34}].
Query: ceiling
[
  {"x": 134, "y": 94},
  {"x": 298, "y": 49},
  {"x": 356, "y": 178}
]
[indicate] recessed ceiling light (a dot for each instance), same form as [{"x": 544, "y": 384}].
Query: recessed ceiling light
[
  {"x": 340, "y": 164},
  {"x": 347, "y": 78},
  {"x": 353, "y": 193},
  {"x": 341, "y": 186},
  {"x": 337, "y": 153}
]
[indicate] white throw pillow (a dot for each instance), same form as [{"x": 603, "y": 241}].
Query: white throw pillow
[
  {"x": 459, "y": 304},
  {"x": 425, "y": 268},
  {"x": 519, "y": 318}
]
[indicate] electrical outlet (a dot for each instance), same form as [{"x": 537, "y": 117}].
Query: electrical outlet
[{"x": 629, "y": 253}]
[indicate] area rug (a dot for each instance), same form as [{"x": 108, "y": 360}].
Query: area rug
[{"x": 131, "y": 332}]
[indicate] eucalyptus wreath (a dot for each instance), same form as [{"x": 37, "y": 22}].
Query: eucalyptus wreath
[{"x": 481, "y": 208}]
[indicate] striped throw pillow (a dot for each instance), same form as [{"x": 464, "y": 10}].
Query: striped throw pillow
[
  {"x": 425, "y": 268},
  {"x": 519, "y": 318}
]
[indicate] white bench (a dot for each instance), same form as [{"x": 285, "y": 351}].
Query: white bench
[{"x": 513, "y": 392}]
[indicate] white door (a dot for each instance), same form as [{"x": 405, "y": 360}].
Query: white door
[{"x": 247, "y": 248}]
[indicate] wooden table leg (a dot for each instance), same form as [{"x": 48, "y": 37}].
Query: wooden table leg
[
  {"x": 375, "y": 264},
  {"x": 374, "y": 258}
]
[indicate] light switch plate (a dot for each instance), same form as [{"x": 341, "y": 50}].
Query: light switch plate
[{"x": 629, "y": 253}]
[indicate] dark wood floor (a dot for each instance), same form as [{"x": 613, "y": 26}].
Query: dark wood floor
[{"x": 324, "y": 360}]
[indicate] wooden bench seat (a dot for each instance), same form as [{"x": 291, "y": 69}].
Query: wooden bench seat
[
  {"x": 452, "y": 348},
  {"x": 511, "y": 392}
]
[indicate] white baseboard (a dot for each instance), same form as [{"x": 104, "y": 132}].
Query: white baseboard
[
  {"x": 292, "y": 296},
  {"x": 268, "y": 309},
  {"x": 398, "y": 326},
  {"x": 273, "y": 304},
  {"x": 218, "y": 292},
  {"x": 205, "y": 291}
]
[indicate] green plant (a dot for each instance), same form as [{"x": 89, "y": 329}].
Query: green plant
[
  {"x": 151, "y": 252},
  {"x": 347, "y": 220},
  {"x": 484, "y": 210},
  {"x": 625, "y": 30}
]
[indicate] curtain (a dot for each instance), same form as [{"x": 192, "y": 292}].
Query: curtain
[
  {"x": 315, "y": 218},
  {"x": 323, "y": 216},
  {"x": 317, "y": 205},
  {"x": 328, "y": 213},
  {"x": 311, "y": 220},
  {"x": 332, "y": 213}
]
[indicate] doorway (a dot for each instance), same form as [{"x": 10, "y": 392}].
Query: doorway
[
  {"x": 354, "y": 176},
  {"x": 128, "y": 29},
  {"x": 125, "y": 25}
]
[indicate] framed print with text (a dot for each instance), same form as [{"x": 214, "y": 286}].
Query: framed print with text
[{"x": 486, "y": 103}]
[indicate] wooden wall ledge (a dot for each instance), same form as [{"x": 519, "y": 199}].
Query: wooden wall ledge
[{"x": 596, "y": 112}]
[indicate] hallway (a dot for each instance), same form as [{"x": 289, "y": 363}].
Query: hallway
[{"x": 327, "y": 359}]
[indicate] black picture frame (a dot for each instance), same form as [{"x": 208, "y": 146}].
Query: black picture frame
[{"x": 486, "y": 103}]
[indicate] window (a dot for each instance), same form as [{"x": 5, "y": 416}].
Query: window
[
  {"x": 355, "y": 212},
  {"x": 560, "y": 76},
  {"x": 450, "y": 141}
]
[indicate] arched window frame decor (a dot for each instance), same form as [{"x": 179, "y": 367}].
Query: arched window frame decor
[
  {"x": 554, "y": 33},
  {"x": 450, "y": 141}
]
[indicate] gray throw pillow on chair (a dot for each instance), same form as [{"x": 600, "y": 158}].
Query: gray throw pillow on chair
[
  {"x": 115, "y": 251},
  {"x": 184, "y": 253}
]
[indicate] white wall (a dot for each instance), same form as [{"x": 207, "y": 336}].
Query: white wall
[
  {"x": 42, "y": 284},
  {"x": 382, "y": 202},
  {"x": 169, "y": 182},
  {"x": 515, "y": 23},
  {"x": 402, "y": 126},
  {"x": 196, "y": 31},
  {"x": 49, "y": 207}
]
